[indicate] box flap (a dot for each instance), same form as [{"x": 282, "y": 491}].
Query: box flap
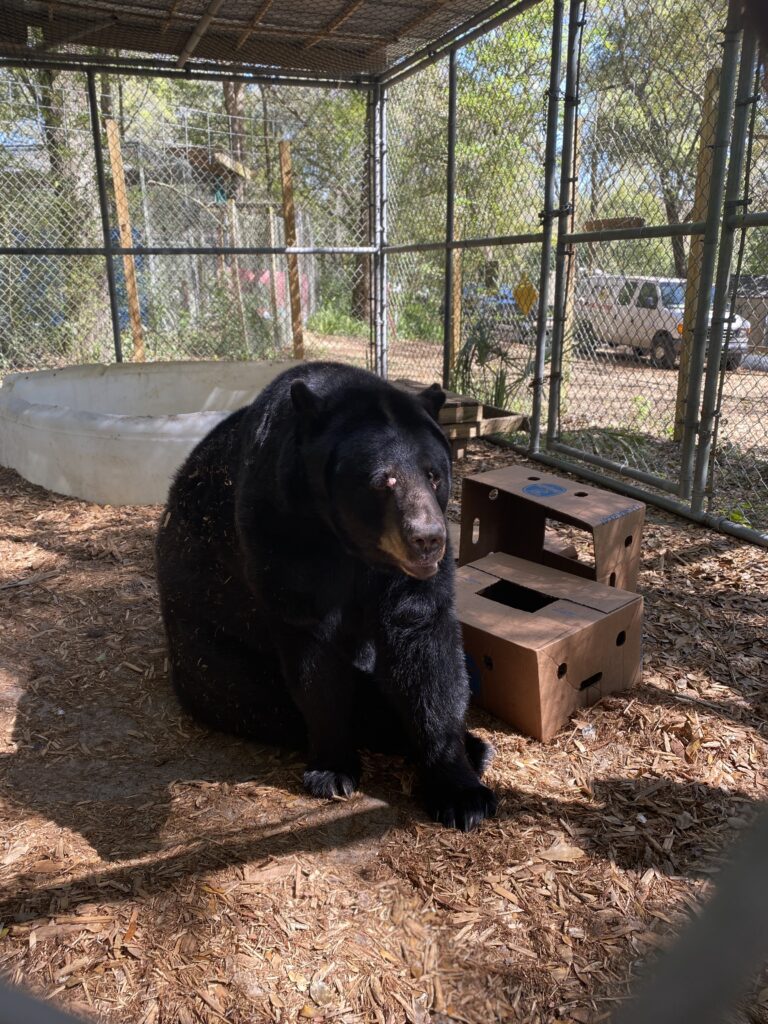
[
  {"x": 561, "y": 585},
  {"x": 578, "y": 503},
  {"x": 534, "y": 630}
]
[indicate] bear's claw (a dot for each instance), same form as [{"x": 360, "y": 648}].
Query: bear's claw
[
  {"x": 462, "y": 808},
  {"x": 329, "y": 784}
]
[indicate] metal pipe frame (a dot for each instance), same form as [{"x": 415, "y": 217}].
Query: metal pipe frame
[
  {"x": 717, "y": 334},
  {"x": 615, "y": 467},
  {"x": 379, "y": 141},
  {"x": 709, "y": 247},
  {"x": 450, "y": 203},
  {"x": 563, "y": 252},
  {"x": 748, "y": 220},
  {"x": 200, "y": 72},
  {"x": 106, "y": 229},
  {"x": 547, "y": 220},
  {"x": 693, "y": 227},
  {"x": 678, "y": 508},
  {"x": 188, "y": 250}
]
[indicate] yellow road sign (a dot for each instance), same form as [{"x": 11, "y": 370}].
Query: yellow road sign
[{"x": 526, "y": 295}]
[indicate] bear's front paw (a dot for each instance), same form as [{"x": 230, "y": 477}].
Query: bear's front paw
[
  {"x": 327, "y": 783},
  {"x": 462, "y": 807}
]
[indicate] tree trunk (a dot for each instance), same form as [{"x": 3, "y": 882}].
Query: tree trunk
[
  {"x": 672, "y": 210},
  {"x": 75, "y": 215},
  {"x": 234, "y": 105}
]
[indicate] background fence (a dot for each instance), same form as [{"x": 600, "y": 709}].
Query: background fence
[{"x": 563, "y": 214}]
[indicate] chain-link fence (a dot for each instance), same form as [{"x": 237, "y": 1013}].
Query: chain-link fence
[
  {"x": 560, "y": 210},
  {"x": 197, "y": 178}
]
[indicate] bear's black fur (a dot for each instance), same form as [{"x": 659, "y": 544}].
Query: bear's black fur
[{"x": 306, "y": 584}]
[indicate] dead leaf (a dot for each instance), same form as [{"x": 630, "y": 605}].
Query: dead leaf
[{"x": 562, "y": 852}]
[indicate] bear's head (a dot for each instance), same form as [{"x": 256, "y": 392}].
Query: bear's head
[{"x": 379, "y": 471}]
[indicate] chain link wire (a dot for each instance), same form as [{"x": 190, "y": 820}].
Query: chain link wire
[
  {"x": 205, "y": 166},
  {"x": 201, "y": 165}
]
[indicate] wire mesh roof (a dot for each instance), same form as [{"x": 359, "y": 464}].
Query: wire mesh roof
[{"x": 327, "y": 37}]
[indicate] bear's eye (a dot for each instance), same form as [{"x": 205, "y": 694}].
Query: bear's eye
[
  {"x": 433, "y": 478},
  {"x": 384, "y": 482}
]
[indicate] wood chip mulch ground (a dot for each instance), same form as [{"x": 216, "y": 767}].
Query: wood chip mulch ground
[{"x": 152, "y": 873}]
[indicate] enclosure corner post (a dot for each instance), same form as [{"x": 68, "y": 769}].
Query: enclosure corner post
[
  {"x": 564, "y": 248},
  {"x": 450, "y": 226},
  {"x": 379, "y": 142},
  {"x": 717, "y": 330},
  {"x": 547, "y": 218},
  {"x": 93, "y": 110},
  {"x": 709, "y": 248}
]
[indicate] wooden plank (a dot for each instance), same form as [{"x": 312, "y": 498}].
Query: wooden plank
[
  {"x": 612, "y": 223},
  {"x": 126, "y": 238},
  {"x": 289, "y": 217},
  {"x": 696, "y": 251},
  {"x": 456, "y": 256}
]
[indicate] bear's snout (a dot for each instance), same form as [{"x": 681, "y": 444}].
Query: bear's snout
[{"x": 427, "y": 538}]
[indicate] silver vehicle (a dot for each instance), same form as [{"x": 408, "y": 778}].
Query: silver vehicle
[{"x": 644, "y": 314}]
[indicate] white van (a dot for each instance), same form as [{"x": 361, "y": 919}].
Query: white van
[{"x": 644, "y": 314}]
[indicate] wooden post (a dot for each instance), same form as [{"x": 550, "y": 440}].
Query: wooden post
[
  {"x": 234, "y": 231},
  {"x": 570, "y": 286},
  {"x": 126, "y": 238},
  {"x": 699, "y": 212},
  {"x": 276, "y": 332},
  {"x": 289, "y": 216},
  {"x": 456, "y": 255}
]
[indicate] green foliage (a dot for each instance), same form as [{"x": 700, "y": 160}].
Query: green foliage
[
  {"x": 417, "y": 319},
  {"x": 331, "y": 319}
]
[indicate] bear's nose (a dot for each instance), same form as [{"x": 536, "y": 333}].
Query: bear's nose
[{"x": 428, "y": 539}]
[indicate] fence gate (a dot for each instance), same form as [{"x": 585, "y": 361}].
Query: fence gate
[{"x": 656, "y": 380}]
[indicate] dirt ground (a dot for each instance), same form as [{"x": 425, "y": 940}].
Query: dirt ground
[
  {"x": 611, "y": 390},
  {"x": 152, "y": 873}
]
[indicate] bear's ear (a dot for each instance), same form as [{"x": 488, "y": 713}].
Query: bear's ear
[
  {"x": 433, "y": 399},
  {"x": 305, "y": 401}
]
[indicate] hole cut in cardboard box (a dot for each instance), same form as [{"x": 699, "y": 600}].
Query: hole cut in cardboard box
[
  {"x": 541, "y": 643},
  {"x": 508, "y": 510}
]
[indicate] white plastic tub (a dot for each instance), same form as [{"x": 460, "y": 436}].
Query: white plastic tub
[{"x": 117, "y": 434}]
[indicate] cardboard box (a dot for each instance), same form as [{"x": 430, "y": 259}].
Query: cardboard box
[
  {"x": 507, "y": 510},
  {"x": 541, "y": 643}
]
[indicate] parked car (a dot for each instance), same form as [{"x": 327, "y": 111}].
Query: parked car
[
  {"x": 644, "y": 314},
  {"x": 500, "y": 314}
]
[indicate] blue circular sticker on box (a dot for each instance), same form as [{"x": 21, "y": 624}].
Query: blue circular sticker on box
[
  {"x": 544, "y": 490},
  {"x": 473, "y": 672}
]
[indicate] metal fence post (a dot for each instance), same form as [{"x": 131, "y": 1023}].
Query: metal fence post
[
  {"x": 104, "y": 208},
  {"x": 715, "y": 348},
  {"x": 380, "y": 234},
  {"x": 564, "y": 250},
  {"x": 709, "y": 249},
  {"x": 450, "y": 203},
  {"x": 547, "y": 218}
]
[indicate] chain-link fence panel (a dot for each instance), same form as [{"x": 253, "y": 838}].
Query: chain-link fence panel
[
  {"x": 195, "y": 174},
  {"x": 502, "y": 82},
  {"x": 495, "y": 346},
  {"x": 417, "y": 157},
  {"x": 416, "y": 284},
  {"x": 647, "y": 71},
  {"x": 619, "y": 381},
  {"x": 738, "y": 468},
  {"x": 54, "y": 310}
]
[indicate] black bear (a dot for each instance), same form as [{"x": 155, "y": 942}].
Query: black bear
[{"x": 306, "y": 584}]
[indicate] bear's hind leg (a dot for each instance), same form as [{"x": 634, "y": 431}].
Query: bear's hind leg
[{"x": 231, "y": 686}]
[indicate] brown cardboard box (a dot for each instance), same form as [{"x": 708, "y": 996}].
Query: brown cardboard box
[
  {"x": 507, "y": 510},
  {"x": 541, "y": 643}
]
